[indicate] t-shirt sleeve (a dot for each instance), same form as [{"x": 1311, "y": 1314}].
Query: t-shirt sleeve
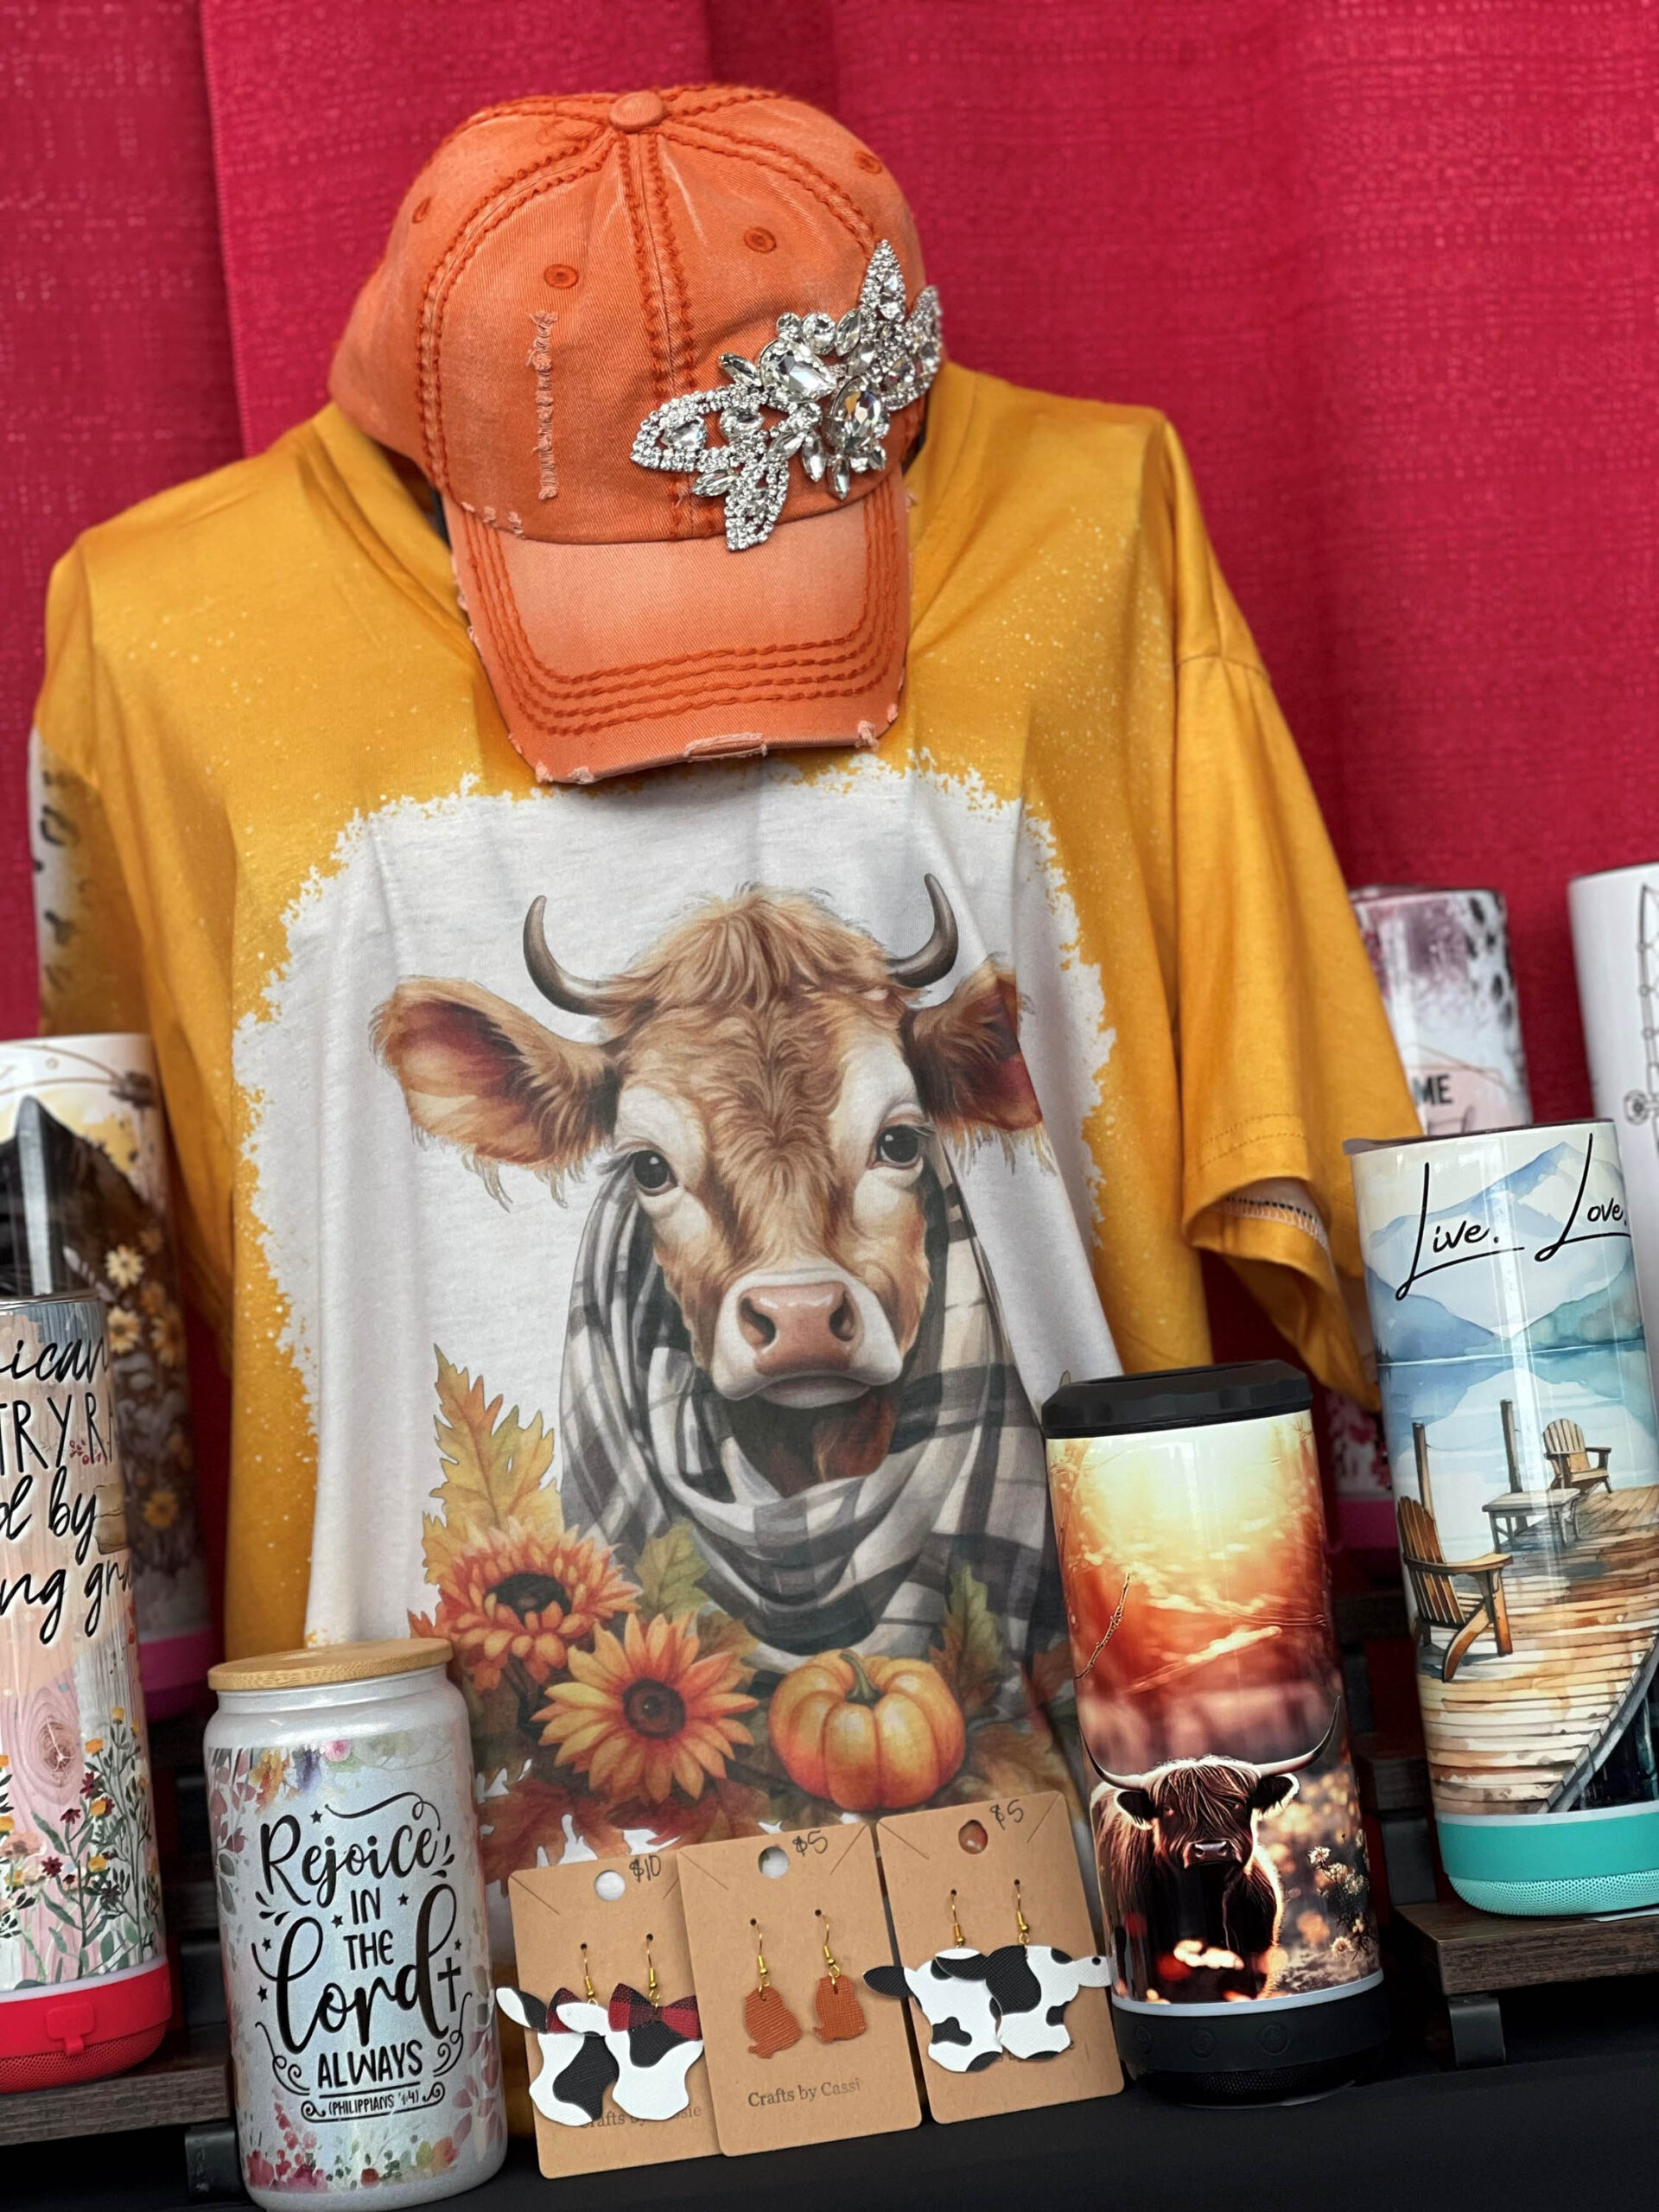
[
  {"x": 93, "y": 971},
  {"x": 91, "y": 976},
  {"x": 86, "y": 940},
  {"x": 1285, "y": 1050}
]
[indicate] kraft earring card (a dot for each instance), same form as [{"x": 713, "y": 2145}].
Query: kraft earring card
[
  {"x": 848, "y": 2070},
  {"x": 1006, "y": 2018},
  {"x": 615, "y": 2079}
]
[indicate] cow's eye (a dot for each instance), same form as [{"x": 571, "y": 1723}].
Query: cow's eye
[
  {"x": 900, "y": 1146},
  {"x": 651, "y": 1173}
]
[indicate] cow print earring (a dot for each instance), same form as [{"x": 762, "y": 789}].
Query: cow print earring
[
  {"x": 655, "y": 2046},
  {"x": 577, "y": 2062},
  {"x": 979, "y": 2004},
  {"x": 841, "y": 2017},
  {"x": 773, "y": 2027},
  {"x": 950, "y": 1990},
  {"x": 1031, "y": 1985}
]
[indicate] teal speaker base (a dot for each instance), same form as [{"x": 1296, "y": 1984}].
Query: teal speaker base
[{"x": 1554, "y": 1862}]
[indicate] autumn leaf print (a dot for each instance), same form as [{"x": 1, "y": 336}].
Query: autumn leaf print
[
  {"x": 669, "y": 1573},
  {"x": 494, "y": 1467},
  {"x": 970, "y": 1655}
]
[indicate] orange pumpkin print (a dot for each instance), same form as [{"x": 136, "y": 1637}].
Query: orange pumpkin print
[{"x": 867, "y": 1733}]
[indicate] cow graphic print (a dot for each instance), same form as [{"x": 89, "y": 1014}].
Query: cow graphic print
[
  {"x": 788, "y": 1420},
  {"x": 979, "y": 2005}
]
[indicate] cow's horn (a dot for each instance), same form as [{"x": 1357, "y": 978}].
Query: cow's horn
[
  {"x": 1307, "y": 1758},
  {"x": 1122, "y": 1781},
  {"x": 938, "y": 956},
  {"x": 570, "y": 992}
]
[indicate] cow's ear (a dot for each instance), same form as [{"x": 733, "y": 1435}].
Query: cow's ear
[
  {"x": 971, "y": 1076},
  {"x": 1138, "y": 1805},
  {"x": 886, "y": 1981},
  {"x": 484, "y": 1076},
  {"x": 1272, "y": 1789},
  {"x": 975, "y": 1967},
  {"x": 519, "y": 2005}
]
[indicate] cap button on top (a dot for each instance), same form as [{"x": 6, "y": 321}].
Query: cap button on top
[{"x": 637, "y": 110}]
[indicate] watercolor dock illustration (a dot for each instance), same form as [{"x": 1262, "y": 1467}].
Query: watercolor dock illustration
[
  {"x": 1524, "y": 1455},
  {"x": 1527, "y": 1729}
]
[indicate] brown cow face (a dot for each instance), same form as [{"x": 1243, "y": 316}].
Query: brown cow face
[
  {"x": 1203, "y": 1812},
  {"x": 778, "y": 1162},
  {"x": 772, "y": 1090}
]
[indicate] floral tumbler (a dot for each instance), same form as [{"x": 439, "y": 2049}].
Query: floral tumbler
[
  {"x": 84, "y": 1982},
  {"x": 85, "y": 1206}
]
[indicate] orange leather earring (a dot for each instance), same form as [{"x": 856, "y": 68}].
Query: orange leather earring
[
  {"x": 773, "y": 2027},
  {"x": 841, "y": 2017}
]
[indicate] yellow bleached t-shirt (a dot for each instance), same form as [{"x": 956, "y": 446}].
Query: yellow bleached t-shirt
[{"x": 291, "y": 839}]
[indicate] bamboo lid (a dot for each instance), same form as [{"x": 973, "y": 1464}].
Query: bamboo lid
[{"x": 322, "y": 1664}]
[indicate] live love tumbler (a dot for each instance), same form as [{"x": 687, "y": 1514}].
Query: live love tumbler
[
  {"x": 1226, "y": 1818},
  {"x": 1520, "y": 1417}
]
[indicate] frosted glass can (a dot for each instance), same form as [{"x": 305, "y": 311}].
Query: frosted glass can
[
  {"x": 350, "y": 1902},
  {"x": 1525, "y": 1466},
  {"x": 85, "y": 1206}
]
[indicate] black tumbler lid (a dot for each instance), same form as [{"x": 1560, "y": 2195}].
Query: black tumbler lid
[{"x": 1176, "y": 1397}]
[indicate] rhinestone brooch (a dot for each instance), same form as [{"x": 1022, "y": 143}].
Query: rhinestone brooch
[{"x": 835, "y": 385}]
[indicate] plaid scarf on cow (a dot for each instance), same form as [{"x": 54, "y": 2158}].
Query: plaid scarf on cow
[{"x": 863, "y": 1560}]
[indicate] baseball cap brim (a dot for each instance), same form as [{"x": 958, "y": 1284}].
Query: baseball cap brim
[{"x": 612, "y": 658}]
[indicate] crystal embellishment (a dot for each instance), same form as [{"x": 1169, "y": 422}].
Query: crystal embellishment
[{"x": 835, "y": 387}]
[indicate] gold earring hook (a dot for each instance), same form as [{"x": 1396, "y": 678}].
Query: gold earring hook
[
  {"x": 830, "y": 1957},
  {"x": 1020, "y": 1920},
  {"x": 651, "y": 1983},
  {"x": 956, "y": 1925},
  {"x": 587, "y": 1980},
  {"x": 762, "y": 1976}
]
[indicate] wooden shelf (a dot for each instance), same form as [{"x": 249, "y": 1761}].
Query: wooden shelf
[
  {"x": 1469, "y": 1953},
  {"x": 188, "y": 2079},
  {"x": 1393, "y": 1776},
  {"x": 189, "y": 1902}
]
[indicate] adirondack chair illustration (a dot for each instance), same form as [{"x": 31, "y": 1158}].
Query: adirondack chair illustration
[
  {"x": 1575, "y": 1463},
  {"x": 1435, "y": 1579},
  {"x": 1517, "y": 1511}
]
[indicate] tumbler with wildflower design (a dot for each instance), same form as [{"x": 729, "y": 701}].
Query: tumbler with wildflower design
[
  {"x": 85, "y": 1207},
  {"x": 84, "y": 1982}
]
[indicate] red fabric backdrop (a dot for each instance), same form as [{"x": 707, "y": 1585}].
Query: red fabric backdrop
[{"x": 1389, "y": 264}]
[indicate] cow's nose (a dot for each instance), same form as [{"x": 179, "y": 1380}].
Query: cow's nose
[
  {"x": 1209, "y": 1854},
  {"x": 800, "y": 1328}
]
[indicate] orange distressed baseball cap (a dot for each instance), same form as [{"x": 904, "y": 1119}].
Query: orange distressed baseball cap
[{"x": 664, "y": 355}]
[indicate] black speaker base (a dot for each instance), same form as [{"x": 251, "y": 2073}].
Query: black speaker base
[{"x": 1253, "y": 2053}]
